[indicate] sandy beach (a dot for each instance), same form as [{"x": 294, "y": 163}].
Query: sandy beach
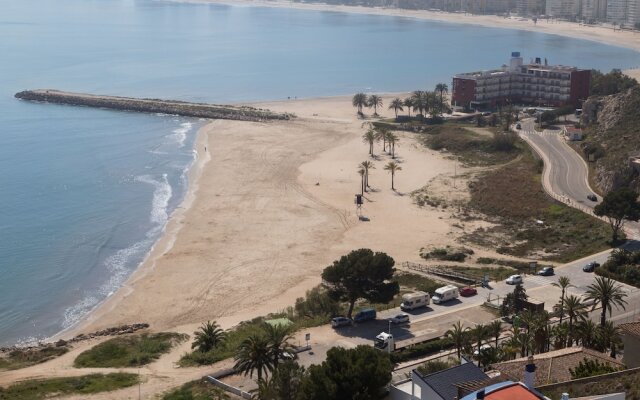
[{"x": 270, "y": 205}]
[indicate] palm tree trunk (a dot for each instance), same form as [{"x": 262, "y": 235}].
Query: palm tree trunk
[
  {"x": 392, "y": 188},
  {"x": 362, "y": 185},
  {"x": 603, "y": 316}
]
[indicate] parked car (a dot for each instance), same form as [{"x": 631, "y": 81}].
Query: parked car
[
  {"x": 468, "y": 291},
  {"x": 546, "y": 271},
  {"x": 514, "y": 280},
  {"x": 400, "y": 318},
  {"x": 592, "y": 197},
  {"x": 340, "y": 321},
  {"x": 367, "y": 314},
  {"x": 591, "y": 266}
]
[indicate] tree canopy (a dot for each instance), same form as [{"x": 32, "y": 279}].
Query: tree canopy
[
  {"x": 361, "y": 274},
  {"x": 618, "y": 206},
  {"x": 610, "y": 83},
  {"x": 360, "y": 373}
]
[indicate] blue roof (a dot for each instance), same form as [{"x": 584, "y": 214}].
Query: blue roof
[{"x": 442, "y": 382}]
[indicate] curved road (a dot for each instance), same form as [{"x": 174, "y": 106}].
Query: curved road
[{"x": 566, "y": 173}]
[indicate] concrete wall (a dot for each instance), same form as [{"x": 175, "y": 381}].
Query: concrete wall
[{"x": 631, "y": 351}]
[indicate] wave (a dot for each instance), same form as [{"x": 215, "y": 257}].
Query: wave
[
  {"x": 180, "y": 134},
  {"x": 119, "y": 264}
]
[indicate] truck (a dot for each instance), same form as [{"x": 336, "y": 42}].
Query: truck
[
  {"x": 385, "y": 342},
  {"x": 445, "y": 293},
  {"x": 367, "y": 314},
  {"x": 411, "y": 301}
]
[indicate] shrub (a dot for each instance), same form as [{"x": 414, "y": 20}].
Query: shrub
[
  {"x": 128, "y": 351},
  {"x": 37, "y": 389},
  {"x": 422, "y": 349}
]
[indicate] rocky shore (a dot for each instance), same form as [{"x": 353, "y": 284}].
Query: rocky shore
[{"x": 199, "y": 110}]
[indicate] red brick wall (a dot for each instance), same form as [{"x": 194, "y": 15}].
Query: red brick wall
[
  {"x": 580, "y": 81},
  {"x": 463, "y": 91}
]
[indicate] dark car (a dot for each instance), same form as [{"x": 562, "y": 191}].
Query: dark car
[
  {"x": 592, "y": 197},
  {"x": 546, "y": 271},
  {"x": 591, "y": 266},
  {"x": 468, "y": 291},
  {"x": 340, "y": 321}
]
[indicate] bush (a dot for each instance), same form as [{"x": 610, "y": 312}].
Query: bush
[
  {"x": 21, "y": 358},
  {"x": 128, "y": 351},
  {"x": 587, "y": 368},
  {"x": 446, "y": 254},
  {"x": 37, "y": 389},
  {"x": 434, "y": 366},
  {"x": 422, "y": 349},
  {"x": 196, "y": 390}
]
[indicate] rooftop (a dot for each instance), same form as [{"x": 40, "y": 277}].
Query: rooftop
[
  {"x": 553, "y": 366},
  {"x": 507, "y": 391},
  {"x": 443, "y": 382},
  {"x": 631, "y": 328}
]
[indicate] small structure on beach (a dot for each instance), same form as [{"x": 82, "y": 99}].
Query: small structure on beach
[{"x": 572, "y": 133}]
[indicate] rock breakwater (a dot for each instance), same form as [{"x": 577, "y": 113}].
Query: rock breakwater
[{"x": 198, "y": 110}]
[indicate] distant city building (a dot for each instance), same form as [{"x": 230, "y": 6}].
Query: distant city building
[
  {"x": 617, "y": 11},
  {"x": 633, "y": 13},
  {"x": 530, "y": 7},
  {"x": 534, "y": 83},
  {"x": 565, "y": 9}
]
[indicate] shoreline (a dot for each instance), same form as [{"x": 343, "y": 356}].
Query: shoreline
[
  {"x": 162, "y": 244},
  {"x": 597, "y": 33}
]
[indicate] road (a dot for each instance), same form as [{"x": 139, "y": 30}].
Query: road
[{"x": 566, "y": 175}]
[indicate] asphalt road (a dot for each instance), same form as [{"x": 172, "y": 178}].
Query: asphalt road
[{"x": 566, "y": 173}]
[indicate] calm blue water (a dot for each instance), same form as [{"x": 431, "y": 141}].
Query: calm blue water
[{"x": 85, "y": 193}]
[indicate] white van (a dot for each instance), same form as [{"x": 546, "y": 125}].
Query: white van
[
  {"x": 411, "y": 301},
  {"x": 445, "y": 293}
]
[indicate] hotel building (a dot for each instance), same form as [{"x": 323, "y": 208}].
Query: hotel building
[{"x": 536, "y": 83}]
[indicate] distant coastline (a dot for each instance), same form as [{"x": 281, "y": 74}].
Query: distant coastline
[{"x": 601, "y": 34}]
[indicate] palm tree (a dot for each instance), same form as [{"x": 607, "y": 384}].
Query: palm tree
[
  {"x": 361, "y": 172},
  {"x": 575, "y": 311},
  {"x": 408, "y": 102},
  {"x": 359, "y": 100},
  {"x": 279, "y": 342},
  {"x": 442, "y": 88},
  {"x": 369, "y": 137},
  {"x": 392, "y": 139},
  {"x": 495, "y": 329},
  {"x": 563, "y": 283},
  {"x": 254, "y": 355},
  {"x": 608, "y": 338},
  {"x": 375, "y": 101},
  {"x": 208, "y": 337},
  {"x": 418, "y": 99},
  {"x": 480, "y": 334},
  {"x": 396, "y": 104},
  {"x": 586, "y": 333},
  {"x": 366, "y": 165},
  {"x": 392, "y": 167},
  {"x": 607, "y": 293},
  {"x": 458, "y": 335},
  {"x": 382, "y": 134},
  {"x": 561, "y": 333}
]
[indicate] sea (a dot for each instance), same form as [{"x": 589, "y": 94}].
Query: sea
[{"x": 85, "y": 193}]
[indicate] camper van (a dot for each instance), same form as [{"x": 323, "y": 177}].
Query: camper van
[
  {"x": 445, "y": 293},
  {"x": 411, "y": 301}
]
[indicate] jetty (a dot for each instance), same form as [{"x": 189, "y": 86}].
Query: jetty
[{"x": 173, "y": 107}]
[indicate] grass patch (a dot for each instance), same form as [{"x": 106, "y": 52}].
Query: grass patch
[
  {"x": 128, "y": 351},
  {"x": 494, "y": 273},
  {"x": 416, "y": 282},
  {"x": 196, "y": 390},
  {"x": 448, "y": 253},
  {"x": 437, "y": 365},
  {"x": 512, "y": 197},
  {"x": 472, "y": 148},
  {"x": 521, "y": 266},
  {"x": 22, "y": 358},
  {"x": 47, "y": 388}
]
